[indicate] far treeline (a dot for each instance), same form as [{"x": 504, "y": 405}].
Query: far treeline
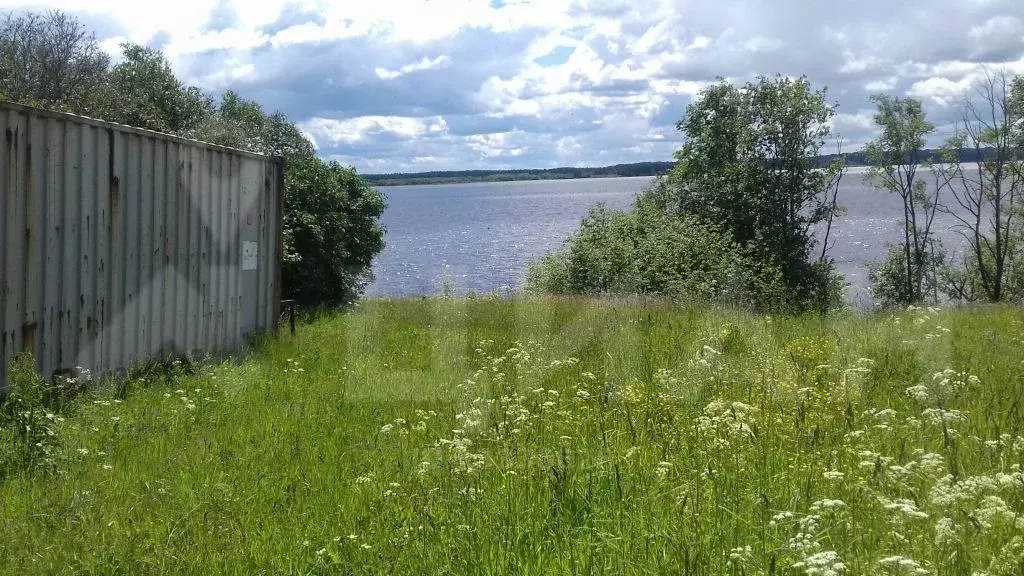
[
  {"x": 636, "y": 169},
  {"x": 565, "y": 173},
  {"x": 331, "y": 215}
]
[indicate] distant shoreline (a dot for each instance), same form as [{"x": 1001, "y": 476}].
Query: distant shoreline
[
  {"x": 478, "y": 176},
  {"x": 639, "y": 169},
  {"x": 460, "y": 180}
]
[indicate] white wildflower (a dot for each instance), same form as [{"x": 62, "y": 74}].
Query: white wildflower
[
  {"x": 806, "y": 541},
  {"x": 885, "y": 415},
  {"x": 662, "y": 470},
  {"x": 919, "y": 393},
  {"x": 945, "y": 533},
  {"x": 825, "y": 563},
  {"x": 932, "y": 463},
  {"x": 741, "y": 556},
  {"x": 994, "y": 510},
  {"x": 780, "y": 517},
  {"x": 905, "y": 507},
  {"x": 940, "y": 416},
  {"x": 903, "y": 566},
  {"x": 827, "y": 504},
  {"x": 1015, "y": 480},
  {"x": 948, "y": 492}
]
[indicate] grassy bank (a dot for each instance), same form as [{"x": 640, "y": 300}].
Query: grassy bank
[{"x": 551, "y": 437}]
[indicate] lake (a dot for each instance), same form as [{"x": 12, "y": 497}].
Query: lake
[{"x": 481, "y": 236}]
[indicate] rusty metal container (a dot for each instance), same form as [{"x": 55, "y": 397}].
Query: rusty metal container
[{"x": 122, "y": 245}]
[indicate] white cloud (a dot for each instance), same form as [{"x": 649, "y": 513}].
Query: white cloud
[
  {"x": 698, "y": 43},
  {"x": 845, "y": 123},
  {"x": 883, "y": 85},
  {"x": 325, "y": 131},
  {"x": 998, "y": 27},
  {"x": 940, "y": 91},
  {"x": 762, "y": 44},
  {"x": 424, "y": 64}
]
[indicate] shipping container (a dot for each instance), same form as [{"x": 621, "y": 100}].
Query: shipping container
[{"x": 122, "y": 245}]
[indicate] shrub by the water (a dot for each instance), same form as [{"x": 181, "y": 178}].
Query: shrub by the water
[
  {"x": 333, "y": 232},
  {"x": 650, "y": 251},
  {"x": 641, "y": 251}
]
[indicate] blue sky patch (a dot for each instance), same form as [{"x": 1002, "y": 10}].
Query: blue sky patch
[
  {"x": 560, "y": 55},
  {"x": 576, "y": 32}
]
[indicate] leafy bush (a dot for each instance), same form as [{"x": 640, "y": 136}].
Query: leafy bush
[
  {"x": 645, "y": 251},
  {"x": 144, "y": 92},
  {"x": 1015, "y": 280},
  {"x": 888, "y": 277},
  {"x": 651, "y": 251},
  {"x": 963, "y": 282},
  {"x": 332, "y": 232}
]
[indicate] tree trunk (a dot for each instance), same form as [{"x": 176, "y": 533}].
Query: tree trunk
[{"x": 906, "y": 250}]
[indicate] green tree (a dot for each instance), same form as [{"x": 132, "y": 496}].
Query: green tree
[
  {"x": 332, "y": 218},
  {"x": 896, "y": 159},
  {"x": 243, "y": 124},
  {"x": 749, "y": 166},
  {"x": 988, "y": 196},
  {"x": 49, "y": 59},
  {"x": 147, "y": 94}
]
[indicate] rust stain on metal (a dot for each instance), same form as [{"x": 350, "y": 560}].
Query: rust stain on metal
[{"x": 28, "y": 337}]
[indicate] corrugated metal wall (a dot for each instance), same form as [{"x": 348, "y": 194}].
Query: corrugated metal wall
[{"x": 122, "y": 245}]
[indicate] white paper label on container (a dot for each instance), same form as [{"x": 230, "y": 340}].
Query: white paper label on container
[{"x": 250, "y": 255}]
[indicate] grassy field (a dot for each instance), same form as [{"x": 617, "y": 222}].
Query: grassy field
[{"x": 550, "y": 437}]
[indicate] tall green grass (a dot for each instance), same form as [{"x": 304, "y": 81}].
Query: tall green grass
[{"x": 550, "y": 436}]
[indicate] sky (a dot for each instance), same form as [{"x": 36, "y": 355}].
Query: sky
[{"x": 419, "y": 85}]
